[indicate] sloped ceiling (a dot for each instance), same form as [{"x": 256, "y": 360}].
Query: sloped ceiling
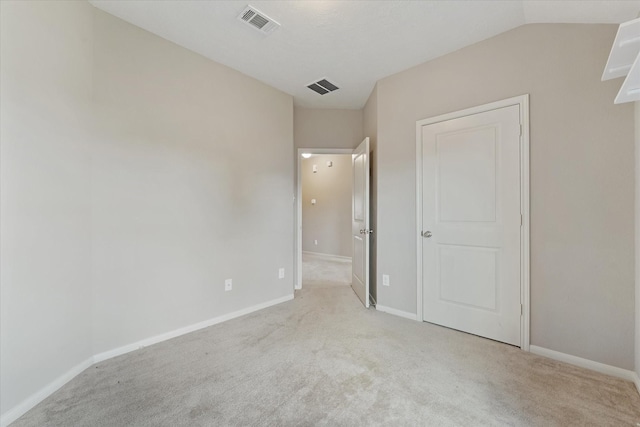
[{"x": 352, "y": 43}]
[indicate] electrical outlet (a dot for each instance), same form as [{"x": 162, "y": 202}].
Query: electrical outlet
[
  {"x": 315, "y": 242},
  {"x": 281, "y": 273},
  {"x": 228, "y": 285},
  {"x": 385, "y": 280}
]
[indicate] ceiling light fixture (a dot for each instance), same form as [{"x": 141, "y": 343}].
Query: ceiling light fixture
[{"x": 306, "y": 155}]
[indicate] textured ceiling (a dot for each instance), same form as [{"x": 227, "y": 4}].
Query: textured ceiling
[{"x": 352, "y": 43}]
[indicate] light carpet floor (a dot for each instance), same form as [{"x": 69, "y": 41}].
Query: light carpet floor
[{"x": 322, "y": 359}]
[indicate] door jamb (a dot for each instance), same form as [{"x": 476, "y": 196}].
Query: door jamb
[
  {"x": 525, "y": 276},
  {"x": 298, "y": 198}
]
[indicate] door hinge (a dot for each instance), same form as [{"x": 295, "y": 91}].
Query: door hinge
[
  {"x": 520, "y": 130},
  {"x": 521, "y": 310},
  {"x": 521, "y": 221}
]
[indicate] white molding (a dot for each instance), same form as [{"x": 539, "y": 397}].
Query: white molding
[
  {"x": 525, "y": 270},
  {"x": 30, "y": 402},
  {"x": 637, "y": 243},
  {"x": 187, "y": 329},
  {"x": 21, "y": 408},
  {"x": 297, "y": 283},
  {"x": 328, "y": 257},
  {"x": 297, "y": 228},
  {"x": 525, "y": 230},
  {"x": 419, "y": 275},
  {"x": 586, "y": 363},
  {"x": 636, "y": 381},
  {"x": 516, "y": 100},
  {"x": 395, "y": 312}
]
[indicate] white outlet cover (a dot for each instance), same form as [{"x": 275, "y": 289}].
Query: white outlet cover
[
  {"x": 281, "y": 273},
  {"x": 228, "y": 285},
  {"x": 385, "y": 280}
]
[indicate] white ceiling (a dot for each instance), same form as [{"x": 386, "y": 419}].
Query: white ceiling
[{"x": 352, "y": 43}]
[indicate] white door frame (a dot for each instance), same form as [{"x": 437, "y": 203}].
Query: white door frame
[
  {"x": 523, "y": 102},
  {"x": 298, "y": 226}
]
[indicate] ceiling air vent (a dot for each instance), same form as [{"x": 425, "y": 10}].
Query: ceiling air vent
[
  {"x": 322, "y": 87},
  {"x": 258, "y": 20}
]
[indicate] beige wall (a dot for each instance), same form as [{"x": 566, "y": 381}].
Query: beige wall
[
  {"x": 329, "y": 220},
  {"x": 327, "y": 128},
  {"x": 582, "y": 174},
  {"x": 45, "y": 222},
  {"x": 191, "y": 184},
  {"x": 370, "y": 129},
  {"x": 136, "y": 177}
]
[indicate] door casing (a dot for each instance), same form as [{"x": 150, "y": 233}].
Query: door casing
[
  {"x": 523, "y": 102},
  {"x": 298, "y": 207}
]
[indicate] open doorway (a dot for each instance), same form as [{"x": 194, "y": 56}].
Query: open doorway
[{"x": 324, "y": 212}]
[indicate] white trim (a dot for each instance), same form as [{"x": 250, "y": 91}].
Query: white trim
[
  {"x": 523, "y": 102},
  {"x": 637, "y": 243},
  {"x": 525, "y": 230},
  {"x": 27, "y": 404},
  {"x": 636, "y": 381},
  {"x": 328, "y": 257},
  {"x": 586, "y": 363},
  {"x": 419, "y": 275},
  {"x": 395, "y": 312},
  {"x": 21, "y": 408},
  {"x": 297, "y": 231}
]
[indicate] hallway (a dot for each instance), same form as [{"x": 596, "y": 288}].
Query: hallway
[{"x": 324, "y": 271}]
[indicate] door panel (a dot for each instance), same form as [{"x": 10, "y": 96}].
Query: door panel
[
  {"x": 471, "y": 206},
  {"x": 360, "y": 222},
  {"x": 466, "y": 176},
  {"x": 459, "y": 265}
]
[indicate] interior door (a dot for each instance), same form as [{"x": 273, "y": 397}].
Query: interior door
[
  {"x": 360, "y": 230},
  {"x": 471, "y": 223}
]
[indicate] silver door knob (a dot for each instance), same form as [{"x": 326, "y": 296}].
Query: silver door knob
[
  {"x": 426, "y": 234},
  {"x": 361, "y": 231}
]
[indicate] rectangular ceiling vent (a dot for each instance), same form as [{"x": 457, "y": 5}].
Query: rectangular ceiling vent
[
  {"x": 322, "y": 87},
  {"x": 258, "y": 20}
]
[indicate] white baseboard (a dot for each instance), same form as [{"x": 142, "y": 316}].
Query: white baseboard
[
  {"x": 405, "y": 314},
  {"x": 187, "y": 329},
  {"x": 27, "y": 404},
  {"x": 588, "y": 364},
  {"x": 21, "y": 408},
  {"x": 636, "y": 381},
  {"x": 328, "y": 257}
]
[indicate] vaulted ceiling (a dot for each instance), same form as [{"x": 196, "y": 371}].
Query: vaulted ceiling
[{"x": 352, "y": 43}]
